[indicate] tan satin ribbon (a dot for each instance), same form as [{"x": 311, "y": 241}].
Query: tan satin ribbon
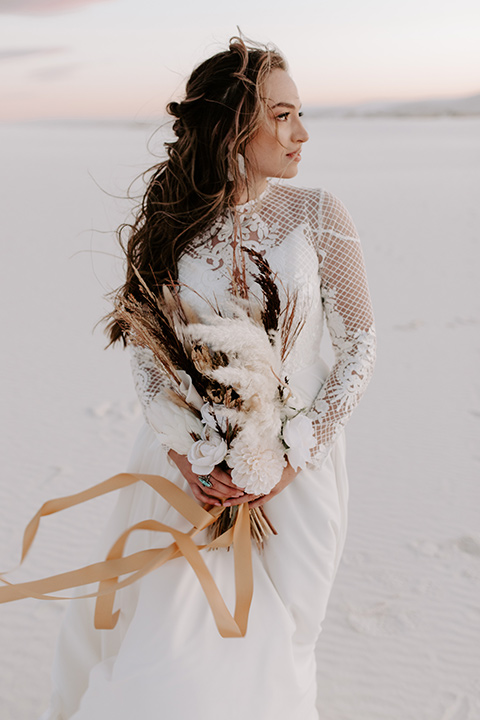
[{"x": 107, "y": 573}]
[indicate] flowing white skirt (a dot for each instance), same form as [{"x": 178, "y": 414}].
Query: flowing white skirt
[{"x": 165, "y": 659}]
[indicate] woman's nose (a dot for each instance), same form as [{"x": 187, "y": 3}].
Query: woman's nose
[{"x": 301, "y": 133}]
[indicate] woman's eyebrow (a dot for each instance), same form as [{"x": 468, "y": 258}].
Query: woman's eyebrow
[
  {"x": 284, "y": 104},
  {"x": 288, "y": 105}
]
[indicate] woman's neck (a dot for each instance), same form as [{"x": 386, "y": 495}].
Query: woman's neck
[{"x": 251, "y": 190}]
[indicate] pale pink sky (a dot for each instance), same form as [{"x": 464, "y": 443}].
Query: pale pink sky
[{"x": 127, "y": 58}]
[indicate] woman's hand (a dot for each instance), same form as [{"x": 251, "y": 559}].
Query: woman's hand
[
  {"x": 288, "y": 475},
  {"x": 222, "y": 485}
]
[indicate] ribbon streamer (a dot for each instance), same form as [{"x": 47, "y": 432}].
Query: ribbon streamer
[{"x": 137, "y": 565}]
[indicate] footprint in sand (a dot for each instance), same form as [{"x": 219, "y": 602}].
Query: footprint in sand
[
  {"x": 116, "y": 411},
  {"x": 354, "y": 558},
  {"x": 101, "y": 410},
  {"x": 384, "y": 618},
  {"x": 455, "y": 706},
  {"x": 469, "y": 544},
  {"x": 55, "y": 473},
  {"x": 425, "y": 547},
  {"x": 412, "y": 325},
  {"x": 462, "y": 322}
]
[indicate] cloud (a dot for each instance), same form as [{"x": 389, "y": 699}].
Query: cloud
[
  {"x": 20, "y": 53},
  {"x": 55, "y": 72},
  {"x": 42, "y": 7}
]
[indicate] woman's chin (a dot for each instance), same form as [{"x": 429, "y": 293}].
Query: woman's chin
[{"x": 291, "y": 171}]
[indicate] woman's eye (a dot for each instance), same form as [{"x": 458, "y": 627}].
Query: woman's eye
[{"x": 284, "y": 116}]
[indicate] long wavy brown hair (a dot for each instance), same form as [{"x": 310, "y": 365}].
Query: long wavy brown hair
[{"x": 222, "y": 110}]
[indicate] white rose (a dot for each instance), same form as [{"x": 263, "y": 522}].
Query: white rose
[
  {"x": 298, "y": 435},
  {"x": 204, "y": 455},
  {"x": 174, "y": 425}
]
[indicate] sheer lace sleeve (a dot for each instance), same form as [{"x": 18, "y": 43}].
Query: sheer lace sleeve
[
  {"x": 350, "y": 322},
  {"x": 174, "y": 425},
  {"x": 148, "y": 377},
  {"x": 149, "y": 381}
]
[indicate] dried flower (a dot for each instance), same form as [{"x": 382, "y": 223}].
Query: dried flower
[
  {"x": 213, "y": 416},
  {"x": 174, "y": 425},
  {"x": 188, "y": 392}
]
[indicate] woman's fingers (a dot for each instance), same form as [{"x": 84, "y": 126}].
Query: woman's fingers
[
  {"x": 222, "y": 487},
  {"x": 240, "y": 500},
  {"x": 222, "y": 492},
  {"x": 260, "y": 500},
  {"x": 202, "y": 497},
  {"x": 224, "y": 478},
  {"x": 217, "y": 487},
  {"x": 216, "y": 490}
]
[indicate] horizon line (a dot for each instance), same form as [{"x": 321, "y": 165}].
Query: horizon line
[{"x": 376, "y": 106}]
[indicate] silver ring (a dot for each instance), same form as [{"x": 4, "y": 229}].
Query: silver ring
[{"x": 205, "y": 481}]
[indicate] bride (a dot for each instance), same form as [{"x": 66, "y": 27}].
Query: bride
[{"x": 237, "y": 129}]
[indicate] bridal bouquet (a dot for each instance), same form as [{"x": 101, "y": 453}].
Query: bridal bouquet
[{"x": 227, "y": 401}]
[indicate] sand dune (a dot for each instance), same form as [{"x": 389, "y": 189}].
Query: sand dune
[{"x": 436, "y": 107}]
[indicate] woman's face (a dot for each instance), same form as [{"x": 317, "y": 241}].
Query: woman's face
[{"x": 275, "y": 149}]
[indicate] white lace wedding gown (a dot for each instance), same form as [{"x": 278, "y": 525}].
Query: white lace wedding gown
[{"x": 165, "y": 659}]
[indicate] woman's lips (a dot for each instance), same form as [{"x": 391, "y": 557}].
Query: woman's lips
[{"x": 295, "y": 156}]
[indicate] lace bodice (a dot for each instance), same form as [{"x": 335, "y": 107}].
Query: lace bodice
[{"x": 312, "y": 245}]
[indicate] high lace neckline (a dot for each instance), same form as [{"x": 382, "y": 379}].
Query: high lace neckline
[{"x": 252, "y": 202}]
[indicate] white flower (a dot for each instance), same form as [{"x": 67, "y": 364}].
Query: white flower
[
  {"x": 208, "y": 416},
  {"x": 256, "y": 468},
  {"x": 188, "y": 391},
  {"x": 204, "y": 455},
  {"x": 174, "y": 425},
  {"x": 213, "y": 416},
  {"x": 298, "y": 435}
]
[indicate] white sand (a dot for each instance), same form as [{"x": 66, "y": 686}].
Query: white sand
[{"x": 402, "y": 638}]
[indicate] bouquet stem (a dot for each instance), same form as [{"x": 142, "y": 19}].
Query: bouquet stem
[{"x": 260, "y": 526}]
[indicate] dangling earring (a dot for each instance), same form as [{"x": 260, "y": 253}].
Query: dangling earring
[
  {"x": 241, "y": 165},
  {"x": 241, "y": 168}
]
